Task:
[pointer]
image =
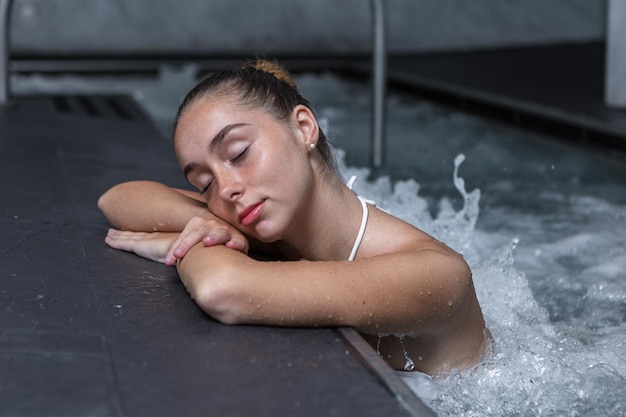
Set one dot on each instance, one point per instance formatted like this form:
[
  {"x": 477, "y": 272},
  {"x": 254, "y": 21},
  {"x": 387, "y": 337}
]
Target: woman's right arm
[{"x": 147, "y": 206}]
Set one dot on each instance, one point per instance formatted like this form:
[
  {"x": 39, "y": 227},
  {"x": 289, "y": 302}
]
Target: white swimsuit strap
[
  {"x": 351, "y": 181},
  {"x": 359, "y": 236}
]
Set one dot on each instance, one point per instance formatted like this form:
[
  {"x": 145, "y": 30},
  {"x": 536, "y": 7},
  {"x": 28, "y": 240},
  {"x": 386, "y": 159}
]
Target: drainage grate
[{"x": 116, "y": 107}]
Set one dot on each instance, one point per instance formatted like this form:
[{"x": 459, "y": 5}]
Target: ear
[{"x": 306, "y": 125}]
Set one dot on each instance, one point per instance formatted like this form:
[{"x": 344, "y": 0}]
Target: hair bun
[{"x": 273, "y": 68}]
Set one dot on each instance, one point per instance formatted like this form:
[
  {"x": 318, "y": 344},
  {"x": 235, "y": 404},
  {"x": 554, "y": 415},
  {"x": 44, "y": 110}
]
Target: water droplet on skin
[{"x": 450, "y": 303}]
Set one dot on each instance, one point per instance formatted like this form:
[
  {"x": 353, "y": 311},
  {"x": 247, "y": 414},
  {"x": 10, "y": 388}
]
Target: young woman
[{"x": 250, "y": 144}]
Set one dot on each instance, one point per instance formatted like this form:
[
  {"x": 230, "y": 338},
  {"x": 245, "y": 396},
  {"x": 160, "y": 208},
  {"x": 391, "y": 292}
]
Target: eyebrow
[{"x": 214, "y": 144}]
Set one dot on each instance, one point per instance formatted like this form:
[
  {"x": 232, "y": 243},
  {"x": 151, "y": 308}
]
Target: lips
[{"x": 248, "y": 215}]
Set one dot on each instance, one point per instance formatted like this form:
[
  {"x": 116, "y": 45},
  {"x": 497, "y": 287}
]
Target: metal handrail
[
  {"x": 5, "y": 91},
  {"x": 379, "y": 83},
  {"x": 379, "y": 72}
]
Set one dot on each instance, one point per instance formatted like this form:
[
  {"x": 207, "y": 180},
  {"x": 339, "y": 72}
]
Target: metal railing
[
  {"x": 5, "y": 53},
  {"x": 379, "y": 83},
  {"x": 379, "y": 73}
]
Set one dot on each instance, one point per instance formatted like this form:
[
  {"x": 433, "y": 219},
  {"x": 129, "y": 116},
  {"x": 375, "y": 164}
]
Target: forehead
[
  {"x": 198, "y": 123},
  {"x": 204, "y": 118},
  {"x": 202, "y": 114}
]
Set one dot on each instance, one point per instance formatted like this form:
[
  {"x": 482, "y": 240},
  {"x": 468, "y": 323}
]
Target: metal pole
[
  {"x": 615, "y": 68},
  {"x": 379, "y": 81},
  {"x": 5, "y": 9}
]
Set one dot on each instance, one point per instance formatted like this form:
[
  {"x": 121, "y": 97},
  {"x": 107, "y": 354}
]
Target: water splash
[
  {"x": 534, "y": 369},
  {"x": 409, "y": 365}
]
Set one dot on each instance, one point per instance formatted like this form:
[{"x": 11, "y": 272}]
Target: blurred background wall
[{"x": 293, "y": 27}]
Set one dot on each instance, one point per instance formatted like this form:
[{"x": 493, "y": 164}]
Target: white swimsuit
[{"x": 359, "y": 236}]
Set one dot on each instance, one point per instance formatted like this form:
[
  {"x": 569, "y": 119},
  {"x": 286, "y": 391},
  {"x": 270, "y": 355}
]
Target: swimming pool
[{"x": 544, "y": 237}]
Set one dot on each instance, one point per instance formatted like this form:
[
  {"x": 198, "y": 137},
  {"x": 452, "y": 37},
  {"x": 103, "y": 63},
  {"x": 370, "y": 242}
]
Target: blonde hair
[{"x": 275, "y": 69}]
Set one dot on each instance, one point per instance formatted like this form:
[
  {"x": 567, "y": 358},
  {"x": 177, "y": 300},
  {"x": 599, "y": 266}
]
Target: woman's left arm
[{"x": 407, "y": 292}]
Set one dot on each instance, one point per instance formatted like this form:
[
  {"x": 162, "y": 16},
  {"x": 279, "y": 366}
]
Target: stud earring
[{"x": 312, "y": 146}]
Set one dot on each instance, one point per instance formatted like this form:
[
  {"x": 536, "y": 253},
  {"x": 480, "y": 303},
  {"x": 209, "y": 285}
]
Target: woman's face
[{"x": 253, "y": 170}]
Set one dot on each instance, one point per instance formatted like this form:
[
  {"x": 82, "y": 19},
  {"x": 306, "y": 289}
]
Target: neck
[{"x": 329, "y": 225}]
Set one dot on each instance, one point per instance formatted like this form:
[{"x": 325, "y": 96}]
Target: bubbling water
[{"x": 534, "y": 368}]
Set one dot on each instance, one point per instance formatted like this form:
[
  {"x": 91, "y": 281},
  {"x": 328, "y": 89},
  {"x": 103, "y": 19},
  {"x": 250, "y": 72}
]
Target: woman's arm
[
  {"x": 147, "y": 206},
  {"x": 410, "y": 292}
]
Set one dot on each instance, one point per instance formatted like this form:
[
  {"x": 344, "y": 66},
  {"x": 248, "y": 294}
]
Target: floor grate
[{"x": 102, "y": 106}]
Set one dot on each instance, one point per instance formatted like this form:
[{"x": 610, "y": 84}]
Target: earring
[{"x": 312, "y": 146}]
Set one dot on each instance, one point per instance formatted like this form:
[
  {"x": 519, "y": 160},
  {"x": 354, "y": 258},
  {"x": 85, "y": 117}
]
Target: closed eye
[
  {"x": 204, "y": 190},
  {"x": 240, "y": 156},
  {"x": 237, "y": 158}
]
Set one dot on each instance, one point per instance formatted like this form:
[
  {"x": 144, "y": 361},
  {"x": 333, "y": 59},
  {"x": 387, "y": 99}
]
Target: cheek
[
  {"x": 222, "y": 211},
  {"x": 285, "y": 172}
]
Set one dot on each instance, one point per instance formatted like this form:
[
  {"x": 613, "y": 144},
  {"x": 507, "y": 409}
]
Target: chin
[
  {"x": 267, "y": 236},
  {"x": 269, "y": 239}
]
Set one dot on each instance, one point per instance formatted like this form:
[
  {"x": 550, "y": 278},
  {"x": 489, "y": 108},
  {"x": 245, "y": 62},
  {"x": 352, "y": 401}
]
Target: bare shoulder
[{"x": 386, "y": 233}]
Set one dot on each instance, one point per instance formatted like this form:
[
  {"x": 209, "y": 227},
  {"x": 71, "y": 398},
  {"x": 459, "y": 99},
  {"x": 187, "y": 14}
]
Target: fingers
[
  {"x": 241, "y": 246},
  {"x": 208, "y": 231},
  {"x": 229, "y": 237},
  {"x": 181, "y": 246},
  {"x": 151, "y": 246},
  {"x": 122, "y": 240}
]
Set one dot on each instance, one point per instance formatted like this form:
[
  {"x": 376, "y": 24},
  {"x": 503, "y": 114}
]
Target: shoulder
[{"x": 386, "y": 234}]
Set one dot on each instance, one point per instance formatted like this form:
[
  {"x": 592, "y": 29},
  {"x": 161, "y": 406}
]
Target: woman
[{"x": 250, "y": 144}]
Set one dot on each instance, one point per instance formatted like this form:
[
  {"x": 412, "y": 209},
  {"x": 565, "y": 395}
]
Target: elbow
[
  {"x": 111, "y": 199},
  {"x": 214, "y": 301},
  {"x": 104, "y": 202},
  {"x": 215, "y": 294},
  {"x": 114, "y": 201}
]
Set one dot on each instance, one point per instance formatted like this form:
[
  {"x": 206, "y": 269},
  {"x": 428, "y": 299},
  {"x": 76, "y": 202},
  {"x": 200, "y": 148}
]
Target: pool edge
[{"x": 388, "y": 377}]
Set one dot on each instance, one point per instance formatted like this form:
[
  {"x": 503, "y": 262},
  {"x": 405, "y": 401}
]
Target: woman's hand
[
  {"x": 211, "y": 231},
  {"x": 153, "y": 246}
]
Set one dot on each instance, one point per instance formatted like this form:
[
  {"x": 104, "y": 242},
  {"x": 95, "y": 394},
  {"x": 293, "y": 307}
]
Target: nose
[{"x": 231, "y": 187}]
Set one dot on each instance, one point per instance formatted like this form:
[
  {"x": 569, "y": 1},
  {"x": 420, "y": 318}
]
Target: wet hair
[{"x": 259, "y": 84}]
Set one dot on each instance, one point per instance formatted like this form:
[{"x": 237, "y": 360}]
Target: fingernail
[{"x": 234, "y": 245}]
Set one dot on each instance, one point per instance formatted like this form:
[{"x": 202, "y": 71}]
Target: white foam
[{"x": 535, "y": 368}]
